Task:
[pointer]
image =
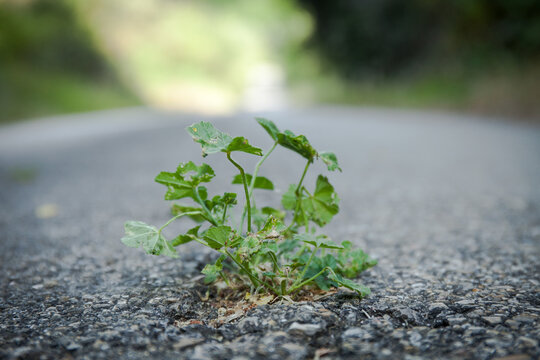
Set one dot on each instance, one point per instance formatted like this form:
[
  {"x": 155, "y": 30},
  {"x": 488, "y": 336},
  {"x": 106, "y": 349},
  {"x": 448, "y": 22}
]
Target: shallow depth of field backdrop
[{"x": 221, "y": 56}]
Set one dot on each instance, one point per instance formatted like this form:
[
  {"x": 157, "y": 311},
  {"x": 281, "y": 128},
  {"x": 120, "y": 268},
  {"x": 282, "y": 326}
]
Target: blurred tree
[
  {"x": 388, "y": 37},
  {"x": 46, "y": 34}
]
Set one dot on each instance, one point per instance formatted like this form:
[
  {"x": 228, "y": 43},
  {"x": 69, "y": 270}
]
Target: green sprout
[{"x": 270, "y": 256}]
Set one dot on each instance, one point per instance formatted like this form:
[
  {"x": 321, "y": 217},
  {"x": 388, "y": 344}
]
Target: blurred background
[{"x": 225, "y": 56}]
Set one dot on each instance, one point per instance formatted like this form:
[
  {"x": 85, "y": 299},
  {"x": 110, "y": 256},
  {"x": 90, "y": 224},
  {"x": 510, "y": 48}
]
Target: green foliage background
[{"x": 60, "y": 56}]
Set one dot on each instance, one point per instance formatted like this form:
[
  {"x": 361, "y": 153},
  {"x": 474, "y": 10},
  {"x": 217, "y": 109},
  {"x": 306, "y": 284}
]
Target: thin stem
[
  {"x": 301, "y": 276},
  {"x": 244, "y": 181},
  {"x": 302, "y": 180},
  {"x": 296, "y": 287},
  {"x": 224, "y": 277},
  {"x": 254, "y": 176},
  {"x": 224, "y": 214},
  {"x": 257, "y": 166},
  {"x": 298, "y": 193},
  {"x": 253, "y": 279},
  {"x": 176, "y": 217},
  {"x": 203, "y": 205}
]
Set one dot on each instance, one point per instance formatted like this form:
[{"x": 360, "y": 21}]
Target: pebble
[{"x": 304, "y": 329}]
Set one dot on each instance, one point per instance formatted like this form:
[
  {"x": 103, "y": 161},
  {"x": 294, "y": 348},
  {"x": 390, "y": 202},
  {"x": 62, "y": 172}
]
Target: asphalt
[{"x": 449, "y": 204}]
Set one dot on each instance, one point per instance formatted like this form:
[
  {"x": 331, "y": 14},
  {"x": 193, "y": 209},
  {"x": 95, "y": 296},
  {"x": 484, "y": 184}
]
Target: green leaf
[
  {"x": 298, "y": 144},
  {"x": 250, "y": 245},
  {"x": 287, "y": 247},
  {"x": 211, "y": 139},
  {"x": 241, "y": 144},
  {"x": 278, "y": 214},
  {"x": 212, "y": 270},
  {"x": 217, "y": 236},
  {"x": 319, "y": 241},
  {"x": 349, "y": 284},
  {"x": 353, "y": 262},
  {"x": 181, "y": 183},
  {"x": 270, "y": 127},
  {"x": 191, "y": 235},
  {"x": 260, "y": 181},
  {"x": 203, "y": 173},
  {"x": 140, "y": 234},
  {"x": 289, "y": 198},
  {"x": 323, "y": 204},
  {"x": 330, "y": 159},
  {"x": 272, "y": 227}
]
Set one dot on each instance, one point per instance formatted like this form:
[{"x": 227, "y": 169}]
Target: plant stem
[
  {"x": 244, "y": 181},
  {"x": 302, "y": 180},
  {"x": 296, "y": 287},
  {"x": 254, "y": 280},
  {"x": 301, "y": 276},
  {"x": 203, "y": 205},
  {"x": 176, "y": 217},
  {"x": 257, "y": 166},
  {"x": 252, "y": 182},
  {"x": 297, "y": 193},
  {"x": 224, "y": 214}
]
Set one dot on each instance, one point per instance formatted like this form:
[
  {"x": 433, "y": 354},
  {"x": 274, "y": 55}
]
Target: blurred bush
[
  {"x": 46, "y": 35},
  {"x": 390, "y": 37},
  {"x": 49, "y": 62}
]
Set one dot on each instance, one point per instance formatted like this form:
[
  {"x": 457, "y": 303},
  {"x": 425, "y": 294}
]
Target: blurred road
[{"x": 428, "y": 194}]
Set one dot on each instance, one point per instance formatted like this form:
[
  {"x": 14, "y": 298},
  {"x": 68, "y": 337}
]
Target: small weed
[{"x": 270, "y": 256}]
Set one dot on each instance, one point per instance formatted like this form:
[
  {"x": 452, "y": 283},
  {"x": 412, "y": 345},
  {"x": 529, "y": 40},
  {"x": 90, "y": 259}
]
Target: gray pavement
[{"x": 448, "y": 204}]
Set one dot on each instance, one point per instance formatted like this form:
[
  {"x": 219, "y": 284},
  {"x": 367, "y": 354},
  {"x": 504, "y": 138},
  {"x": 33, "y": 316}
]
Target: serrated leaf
[
  {"x": 287, "y": 247},
  {"x": 211, "y": 139},
  {"x": 249, "y": 245},
  {"x": 272, "y": 227},
  {"x": 189, "y": 236},
  {"x": 353, "y": 262},
  {"x": 240, "y": 143},
  {"x": 349, "y": 284},
  {"x": 270, "y": 127},
  {"x": 330, "y": 159},
  {"x": 323, "y": 204},
  {"x": 198, "y": 174},
  {"x": 181, "y": 183},
  {"x": 297, "y": 143},
  {"x": 140, "y": 234},
  {"x": 318, "y": 241},
  {"x": 289, "y": 198},
  {"x": 212, "y": 270},
  {"x": 260, "y": 181},
  {"x": 217, "y": 236},
  {"x": 278, "y": 214}
]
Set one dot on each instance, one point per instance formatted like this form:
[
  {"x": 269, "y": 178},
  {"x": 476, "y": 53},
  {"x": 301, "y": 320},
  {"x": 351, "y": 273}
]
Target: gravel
[{"x": 449, "y": 205}]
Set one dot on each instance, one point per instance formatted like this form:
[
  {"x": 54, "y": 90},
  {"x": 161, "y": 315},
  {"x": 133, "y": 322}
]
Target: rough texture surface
[{"x": 449, "y": 205}]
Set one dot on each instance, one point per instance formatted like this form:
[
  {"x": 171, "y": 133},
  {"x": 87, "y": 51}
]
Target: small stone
[
  {"x": 357, "y": 333},
  {"x": 187, "y": 342},
  {"x": 295, "y": 351},
  {"x": 37, "y": 286},
  {"x": 513, "y": 324},
  {"x": 435, "y": 308},
  {"x": 492, "y": 320},
  {"x": 476, "y": 330},
  {"x": 304, "y": 329},
  {"x": 525, "y": 318},
  {"x": 456, "y": 320},
  {"x": 528, "y": 341}
]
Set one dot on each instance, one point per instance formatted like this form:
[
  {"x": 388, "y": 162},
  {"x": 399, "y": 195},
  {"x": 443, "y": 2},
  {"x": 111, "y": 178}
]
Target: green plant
[{"x": 271, "y": 256}]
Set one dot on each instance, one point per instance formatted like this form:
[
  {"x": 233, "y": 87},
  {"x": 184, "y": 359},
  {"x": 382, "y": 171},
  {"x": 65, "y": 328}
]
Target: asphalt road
[{"x": 449, "y": 204}]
